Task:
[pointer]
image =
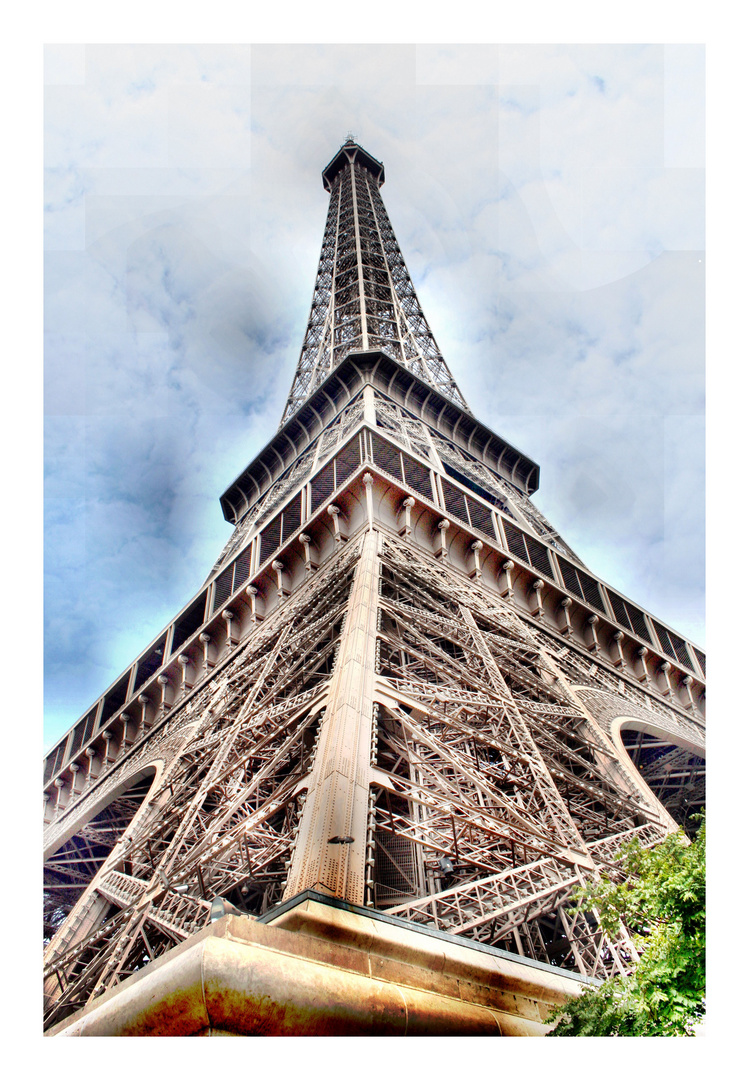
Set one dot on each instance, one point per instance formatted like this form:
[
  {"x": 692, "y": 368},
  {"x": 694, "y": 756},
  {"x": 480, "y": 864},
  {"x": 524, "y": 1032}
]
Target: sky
[{"x": 549, "y": 203}]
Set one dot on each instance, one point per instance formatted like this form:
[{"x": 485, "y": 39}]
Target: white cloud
[{"x": 684, "y": 106}]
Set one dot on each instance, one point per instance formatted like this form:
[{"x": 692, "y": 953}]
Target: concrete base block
[{"x": 317, "y": 967}]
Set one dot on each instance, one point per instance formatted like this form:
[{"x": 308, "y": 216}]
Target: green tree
[{"x": 660, "y": 897}]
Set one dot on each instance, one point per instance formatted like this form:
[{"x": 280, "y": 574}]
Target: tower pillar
[{"x": 332, "y": 839}]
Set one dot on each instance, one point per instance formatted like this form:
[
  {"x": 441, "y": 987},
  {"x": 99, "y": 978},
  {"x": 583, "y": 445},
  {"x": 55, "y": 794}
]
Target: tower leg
[{"x": 331, "y": 846}]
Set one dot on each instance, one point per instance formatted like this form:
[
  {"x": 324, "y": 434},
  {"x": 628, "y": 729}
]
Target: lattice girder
[
  {"x": 364, "y": 297},
  {"x": 225, "y": 811}
]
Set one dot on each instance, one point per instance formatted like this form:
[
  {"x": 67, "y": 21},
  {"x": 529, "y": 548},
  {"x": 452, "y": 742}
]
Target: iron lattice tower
[{"x": 398, "y": 690}]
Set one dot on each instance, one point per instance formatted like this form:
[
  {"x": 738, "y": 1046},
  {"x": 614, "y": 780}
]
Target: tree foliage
[{"x": 660, "y": 897}]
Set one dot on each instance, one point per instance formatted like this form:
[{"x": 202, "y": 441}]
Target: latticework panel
[
  {"x": 509, "y": 792},
  {"x": 364, "y": 297},
  {"x": 222, "y": 818}
]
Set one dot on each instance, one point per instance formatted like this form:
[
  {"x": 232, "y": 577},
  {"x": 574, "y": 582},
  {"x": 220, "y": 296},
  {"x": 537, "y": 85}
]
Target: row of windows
[
  {"x": 368, "y": 445},
  {"x": 275, "y": 534},
  {"x": 476, "y": 515},
  {"x": 527, "y": 548},
  {"x": 581, "y": 584}
]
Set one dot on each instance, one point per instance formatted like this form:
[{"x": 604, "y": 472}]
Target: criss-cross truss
[
  {"x": 491, "y": 765},
  {"x": 364, "y": 297},
  {"x": 221, "y": 818}
]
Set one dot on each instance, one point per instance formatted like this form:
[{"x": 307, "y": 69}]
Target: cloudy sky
[{"x": 549, "y": 204}]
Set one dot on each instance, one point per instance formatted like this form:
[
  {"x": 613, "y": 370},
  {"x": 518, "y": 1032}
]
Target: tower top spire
[
  {"x": 352, "y": 152},
  {"x": 364, "y": 299}
]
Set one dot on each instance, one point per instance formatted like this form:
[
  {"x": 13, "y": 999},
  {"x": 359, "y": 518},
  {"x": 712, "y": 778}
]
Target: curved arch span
[
  {"x": 73, "y": 864},
  {"x": 671, "y": 766}
]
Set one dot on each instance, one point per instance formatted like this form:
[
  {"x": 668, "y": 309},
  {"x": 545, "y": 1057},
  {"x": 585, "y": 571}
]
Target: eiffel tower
[{"x": 353, "y": 785}]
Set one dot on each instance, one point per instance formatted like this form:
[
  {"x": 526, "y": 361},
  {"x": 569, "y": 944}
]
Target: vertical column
[
  {"x": 441, "y": 552},
  {"x": 564, "y": 607},
  {"x": 309, "y": 566},
  {"x": 368, "y": 482},
  {"x": 331, "y": 846},
  {"x": 537, "y": 605},
  {"x": 619, "y": 660},
  {"x": 665, "y": 670},
  {"x": 688, "y": 682},
  {"x": 370, "y": 407},
  {"x": 128, "y": 731},
  {"x": 187, "y": 680},
  {"x": 74, "y": 768},
  {"x": 593, "y": 645},
  {"x": 643, "y": 675},
  {"x": 144, "y": 702},
  {"x": 475, "y": 571},
  {"x": 108, "y": 736},
  {"x": 359, "y": 268},
  {"x": 407, "y": 505},
  {"x": 205, "y": 640},
  {"x": 505, "y": 579},
  {"x": 163, "y": 681},
  {"x": 334, "y": 513},
  {"x": 228, "y": 617},
  {"x": 251, "y": 593},
  {"x": 90, "y": 773}
]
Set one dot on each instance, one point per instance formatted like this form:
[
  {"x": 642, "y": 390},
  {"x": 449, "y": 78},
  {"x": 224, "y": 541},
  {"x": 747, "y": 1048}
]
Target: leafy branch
[{"x": 659, "y": 895}]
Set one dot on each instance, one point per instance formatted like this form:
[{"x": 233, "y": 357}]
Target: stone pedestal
[{"x": 321, "y": 967}]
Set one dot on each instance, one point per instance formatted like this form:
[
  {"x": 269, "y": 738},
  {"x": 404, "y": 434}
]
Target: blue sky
[{"x": 549, "y": 203}]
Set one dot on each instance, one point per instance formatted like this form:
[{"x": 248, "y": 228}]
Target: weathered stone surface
[{"x": 245, "y": 977}]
